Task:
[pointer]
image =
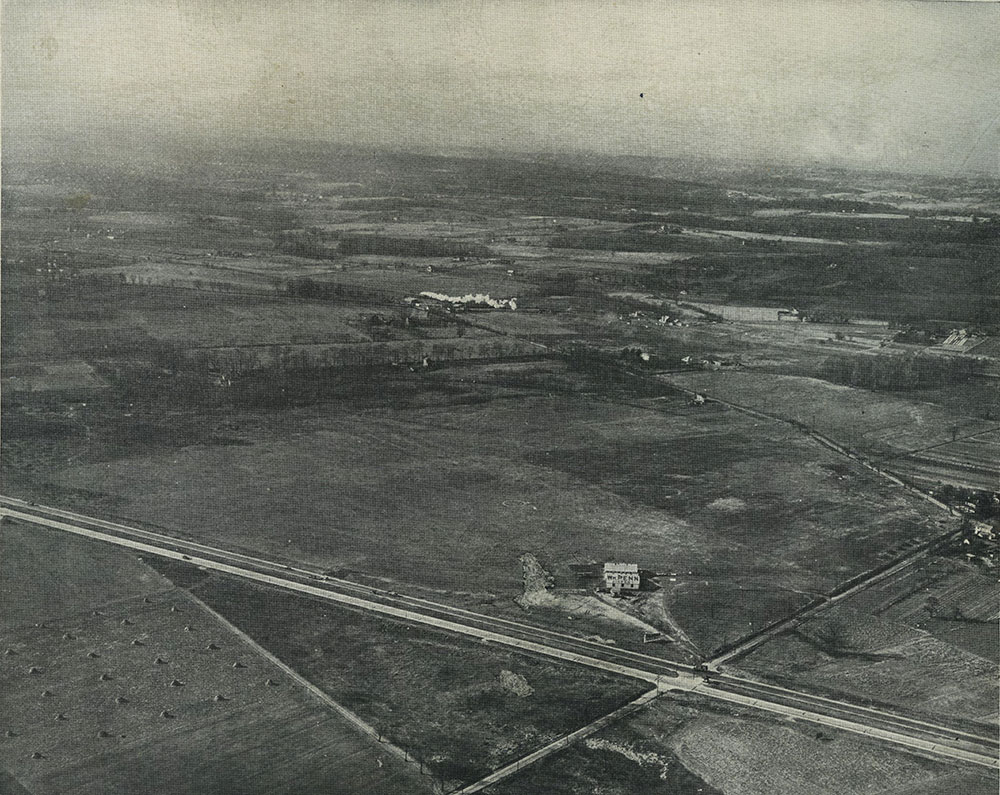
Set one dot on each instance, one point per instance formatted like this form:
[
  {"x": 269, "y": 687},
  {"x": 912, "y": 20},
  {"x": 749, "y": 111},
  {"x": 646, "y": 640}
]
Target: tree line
[
  {"x": 411, "y": 247},
  {"x": 893, "y": 373}
]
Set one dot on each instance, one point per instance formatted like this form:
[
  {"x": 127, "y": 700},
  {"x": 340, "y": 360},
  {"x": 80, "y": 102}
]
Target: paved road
[{"x": 910, "y": 732}]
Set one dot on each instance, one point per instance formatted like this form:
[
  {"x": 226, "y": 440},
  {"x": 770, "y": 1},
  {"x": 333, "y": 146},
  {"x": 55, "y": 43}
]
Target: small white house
[{"x": 620, "y": 577}]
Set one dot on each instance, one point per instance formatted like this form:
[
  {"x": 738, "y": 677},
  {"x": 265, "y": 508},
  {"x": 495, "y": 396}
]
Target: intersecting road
[{"x": 910, "y": 732}]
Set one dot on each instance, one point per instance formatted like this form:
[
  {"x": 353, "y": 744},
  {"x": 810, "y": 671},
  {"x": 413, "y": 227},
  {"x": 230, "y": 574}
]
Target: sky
[{"x": 894, "y": 85}]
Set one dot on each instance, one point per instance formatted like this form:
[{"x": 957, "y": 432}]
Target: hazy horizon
[{"x": 878, "y": 86}]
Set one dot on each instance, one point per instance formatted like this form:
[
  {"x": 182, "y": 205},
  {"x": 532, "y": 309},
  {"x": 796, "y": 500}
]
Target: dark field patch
[
  {"x": 437, "y": 695},
  {"x": 636, "y": 468},
  {"x": 447, "y": 498},
  {"x": 718, "y": 613}
]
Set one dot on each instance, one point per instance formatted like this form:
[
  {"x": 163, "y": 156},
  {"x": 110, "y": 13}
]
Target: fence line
[{"x": 561, "y": 743}]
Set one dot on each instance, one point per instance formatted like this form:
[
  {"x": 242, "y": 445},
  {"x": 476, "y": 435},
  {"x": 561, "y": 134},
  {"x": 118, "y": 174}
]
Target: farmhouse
[{"x": 620, "y": 577}]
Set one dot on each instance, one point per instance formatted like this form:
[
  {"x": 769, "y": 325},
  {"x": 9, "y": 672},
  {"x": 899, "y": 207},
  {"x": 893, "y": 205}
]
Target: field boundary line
[
  {"x": 915, "y": 743},
  {"x": 849, "y": 587},
  {"x": 939, "y": 444},
  {"x": 821, "y": 439},
  {"x": 314, "y": 690},
  {"x": 867, "y": 579},
  {"x": 563, "y": 742}
]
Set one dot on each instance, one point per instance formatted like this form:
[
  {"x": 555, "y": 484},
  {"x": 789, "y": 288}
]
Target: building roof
[{"x": 629, "y": 568}]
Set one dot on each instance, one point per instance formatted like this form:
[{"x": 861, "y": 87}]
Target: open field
[
  {"x": 49, "y": 576},
  {"x": 72, "y": 377},
  {"x": 191, "y": 319},
  {"x": 223, "y": 356},
  {"x": 248, "y": 322},
  {"x": 447, "y": 499},
  {"x": 682, "y": 745},
  {"x": 925, "y": 639},
  {"x": 973, "y": 399},
  {"x": 117, "y": 689},
  {"x": 880, "y": 425},
  {"x": 973, "y": 463},
  {"x": 206, "y": 334},
  {"x": 544, "y": 328},
  {"x": 463, "y": 708}
]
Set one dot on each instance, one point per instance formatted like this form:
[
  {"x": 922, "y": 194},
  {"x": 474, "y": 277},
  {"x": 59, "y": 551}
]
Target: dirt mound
[
  {"x": 537, "y": 584},
  {"x": 515, "y": 683},
  {"x": 727, "y": 504}
]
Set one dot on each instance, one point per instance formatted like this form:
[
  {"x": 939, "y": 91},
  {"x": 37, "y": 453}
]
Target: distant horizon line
[{"x": 140, "y": 143}]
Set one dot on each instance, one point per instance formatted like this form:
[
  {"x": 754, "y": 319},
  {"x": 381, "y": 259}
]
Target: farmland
[
  {"x": 461, "y": 707},
  {"x": 925, "y": 639},
  {"x": 682, "y": 745},
  {"x": 116, "y": 690},
  {"x": 326, "y": 448},
  {"x": 971, "y": 462},
  {"x": 245, "y": 359},
  {"x": 569, "y": 478},
  {"x": 929, "y": 442}
]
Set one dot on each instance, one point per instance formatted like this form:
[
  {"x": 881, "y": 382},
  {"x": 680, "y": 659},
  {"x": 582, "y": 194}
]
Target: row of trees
[
  {"x": 251, "y": 378},
  {"x": 306, "y": 287},
  {"x": 987, "y": 504},
  {"x": 890, "y": 373},
  {"x": 620, "y": 371},
  {"x": 238, "y": 361},
  {"x": 411, "y": 247}
]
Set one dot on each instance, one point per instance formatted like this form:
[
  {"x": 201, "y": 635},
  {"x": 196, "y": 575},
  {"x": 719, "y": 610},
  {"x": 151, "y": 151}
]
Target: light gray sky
[{"x": 869, "y": 84}]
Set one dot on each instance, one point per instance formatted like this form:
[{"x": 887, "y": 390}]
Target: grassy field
[
  {"x": 54, "y": 345},
  {"x": 970, "y": 463},
  {"x": 249, "y": 322},
  {"x": 533, "y": 326},
  {"x": 879, "y": 423},
  {"x": 115, "y": 681},
  {"x": 686, "y": 746},
  {"x": 438, "y": 481},
  {"x": 48, "y": 575},
  {"x": 461, "y": 707},
  {"x": 925, "y": 639},
  {"x": 66, "y": 377},
  {"x": 187, "y": 318},
  {"x": 911, "y": 435},
  {"x": 445, "y": 499}
]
